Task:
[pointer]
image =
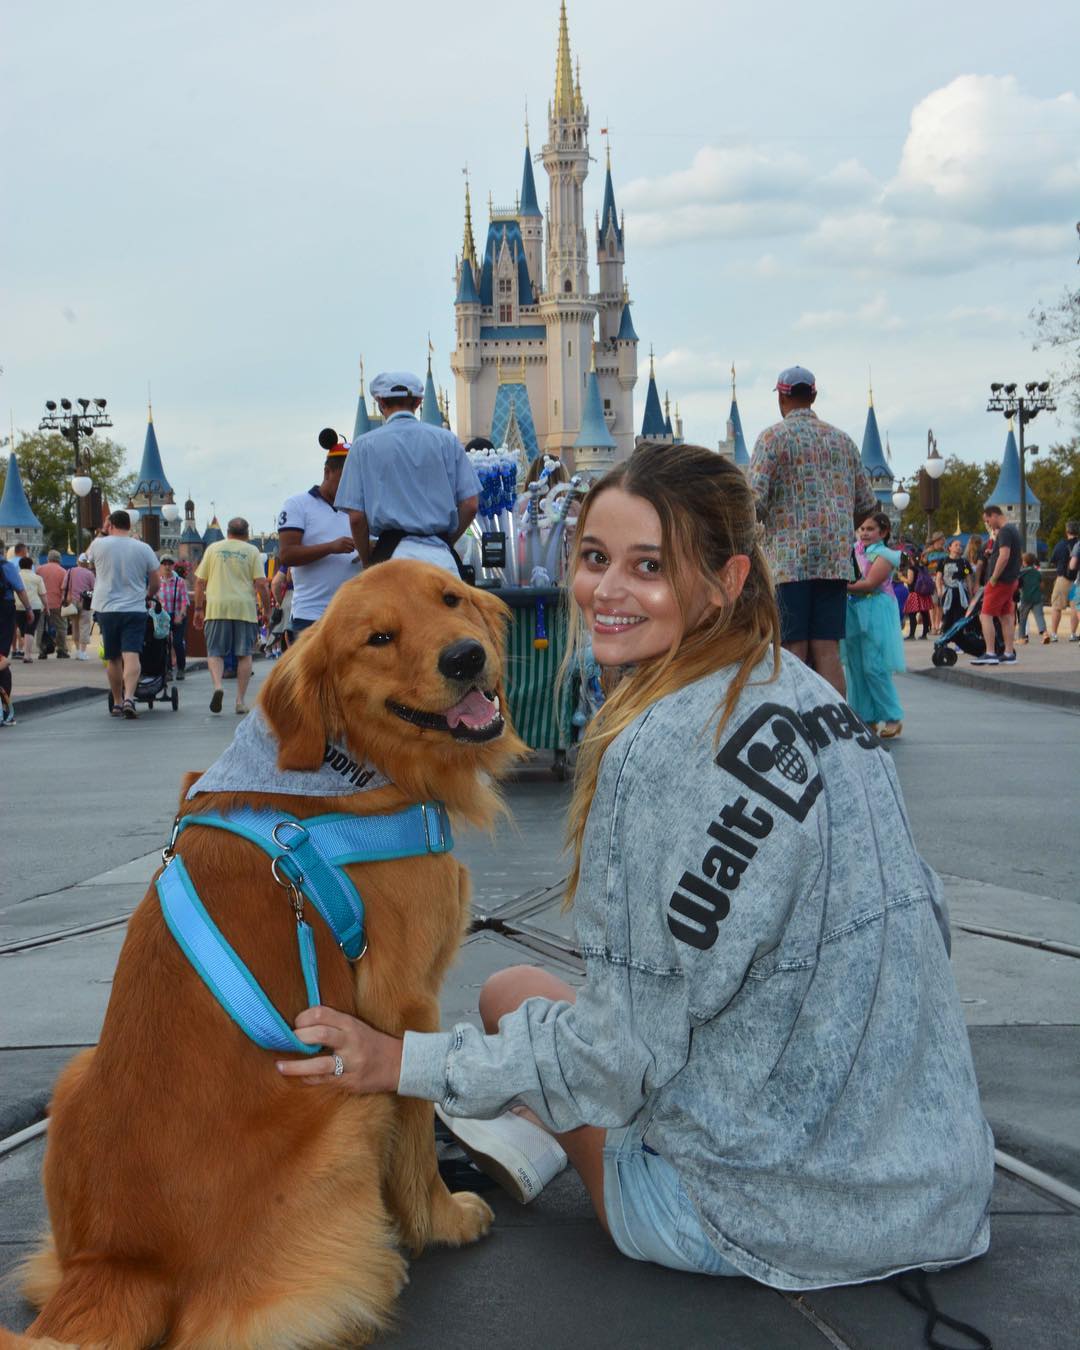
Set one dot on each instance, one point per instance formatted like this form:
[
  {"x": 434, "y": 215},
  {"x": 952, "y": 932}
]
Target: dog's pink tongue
[{"x": 475, "y": 710}]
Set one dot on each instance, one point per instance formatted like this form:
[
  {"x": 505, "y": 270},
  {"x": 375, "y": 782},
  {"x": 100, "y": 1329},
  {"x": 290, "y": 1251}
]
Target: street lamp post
[
  {"x": 71, "y": 425},
  {"x": 929, "y": 486},
  {"x": 1024, "y": 407}
]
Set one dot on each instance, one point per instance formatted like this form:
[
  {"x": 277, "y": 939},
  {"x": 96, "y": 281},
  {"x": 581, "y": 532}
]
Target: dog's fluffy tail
[{"x": 98, "y": 1304}]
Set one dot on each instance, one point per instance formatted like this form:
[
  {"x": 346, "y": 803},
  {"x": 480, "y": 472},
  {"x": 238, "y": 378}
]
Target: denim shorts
[
  {"x": 121, "y": 632},
  {"x": 812, "y": 610},
  {"x": 230, "y": 637},
  {"x": 649, "y": 1212}
]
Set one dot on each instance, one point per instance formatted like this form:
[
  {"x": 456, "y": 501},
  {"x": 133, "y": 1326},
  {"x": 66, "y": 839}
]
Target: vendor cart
[{"x": 537, "y": 643}]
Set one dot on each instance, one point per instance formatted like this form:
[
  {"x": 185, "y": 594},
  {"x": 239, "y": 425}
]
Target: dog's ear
[
  {"x": 192, "y": 776},
  {"x": 495, "y": 614},
  {"x": 293, "y": 701}
]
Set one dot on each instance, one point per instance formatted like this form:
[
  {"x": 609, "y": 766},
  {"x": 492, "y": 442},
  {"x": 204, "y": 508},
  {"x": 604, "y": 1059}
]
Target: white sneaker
[{"x": 511, "y": 1150}]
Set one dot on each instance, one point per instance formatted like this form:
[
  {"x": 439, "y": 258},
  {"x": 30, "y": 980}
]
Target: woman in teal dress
[{"x": 873, "y": 648}]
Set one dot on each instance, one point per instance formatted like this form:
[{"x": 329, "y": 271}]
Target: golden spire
[
  {"x": 564, "y": 72},
  {"x": 870, "y": 377},
  {"x": 468, "y": 247},
  {"x": 733, "y": 381},
  {"x": 667, "y": 403},
  {"x": 579, "y": 102},
  {"x": 526, "y": 124},
  {"x": 652, "y": 368},
  {"x": 361, "y": 377},
  {"x": 149, "y": 404}
]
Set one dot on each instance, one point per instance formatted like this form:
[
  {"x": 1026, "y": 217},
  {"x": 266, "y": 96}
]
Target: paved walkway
[
  {"x": 547, "y": 1277},
  {"x": 1042, "y": 674}
]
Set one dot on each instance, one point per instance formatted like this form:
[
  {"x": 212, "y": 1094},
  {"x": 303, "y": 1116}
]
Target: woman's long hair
[{"x": 707, "y": 517}]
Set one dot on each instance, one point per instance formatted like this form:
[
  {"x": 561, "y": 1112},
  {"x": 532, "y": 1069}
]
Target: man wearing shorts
[
  {"x": 125, "y": 576},
  {"x": 11, "y": 585},
  {"x": 999, "y": 595},
  {"x": 812, "y": 491},
  {"x": 227, "y": 582},
  {"x": 1060, "y": 603}
]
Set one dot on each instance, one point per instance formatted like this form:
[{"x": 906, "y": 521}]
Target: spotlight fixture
[
  {"x": 1010, "y": 388},
  {"x": 1044, "y": 387},
  {"x": 996, "y": 388},
  {"x": 83, "y": 403},
  {"x": 50, "y": 404},
  {"x": 65, "y": 403},
  {"x": 99, "y": 403}
]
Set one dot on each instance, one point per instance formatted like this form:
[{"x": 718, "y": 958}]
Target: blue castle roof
[
  {"x": 514, "y": 398},
  {"x": 430, "y": 411},
  {"x": 741, "y": 456},
  {"x": 626, "y": 326},
  {"x": 528, "y": 205},
  {"x": 512, "y": 231},
  {"x": 652, "y": 424},
  {"x": 669, "y": 430},
  {"x": 151, "y": 479},
  {"x": 363, "y": 421},
  {"x": 213, "y": 532},
  {"x": 594, "y": 432},
  {"x": 1007, "y": 490},
  {"x": 466, "y": 291},
  {"x": 608, "y": 214},
  {"x": 873, "y": 457},
  {"x": 190, "y": 535},
  {"x": 15, "y": 511}
]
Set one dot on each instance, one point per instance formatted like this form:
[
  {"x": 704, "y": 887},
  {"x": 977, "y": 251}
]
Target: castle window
[
  {"x": 607, "y": 405},
  {"x": 569, "y": 349},
  {"x": 506, "y": 313},
  {"x": 504, "y": 285},
  {"x": 567, "y": 285},
  {"x": 556, "y": 407}
]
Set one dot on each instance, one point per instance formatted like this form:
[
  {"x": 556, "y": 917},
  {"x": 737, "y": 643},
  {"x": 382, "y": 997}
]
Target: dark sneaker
[
  {"x": 1008, "y": 659},
  {"x": 987, "y": 661},
  {"x": 216, "y": 700}
]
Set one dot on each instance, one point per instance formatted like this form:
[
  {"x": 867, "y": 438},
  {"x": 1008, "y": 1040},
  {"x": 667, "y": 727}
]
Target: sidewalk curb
[
  {"x": 59, "y": 698},
  {"x": 1031, "y": 693}
]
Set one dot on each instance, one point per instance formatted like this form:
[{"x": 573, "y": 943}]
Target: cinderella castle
[{"x": 542, "y": 361}]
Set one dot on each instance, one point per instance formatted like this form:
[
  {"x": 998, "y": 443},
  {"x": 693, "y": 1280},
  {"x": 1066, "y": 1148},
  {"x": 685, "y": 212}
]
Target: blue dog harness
[{"x": 308, "y": 859}]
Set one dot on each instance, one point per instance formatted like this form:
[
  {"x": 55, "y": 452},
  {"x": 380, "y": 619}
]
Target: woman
[
  {"x": 933, "y": 556},
  {"x": 27, "y": 623},
  {"x": 917, "y": 606},
  {"x": 726, "y": 1081},
  {"x": 872, "y": 649},
  {"x": 79, "y": 592},
  {"x": 975, "y": 558}
]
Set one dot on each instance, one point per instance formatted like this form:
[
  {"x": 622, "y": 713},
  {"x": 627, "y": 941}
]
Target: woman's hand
[{"x": 371, "y": 1060}]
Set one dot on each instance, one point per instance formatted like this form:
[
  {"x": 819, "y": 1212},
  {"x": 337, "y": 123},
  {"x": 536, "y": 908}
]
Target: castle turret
[
  {"x": 610, "y": 256},
  {"x": 595, "y": 448},
  {"x": 430, "y": 411},
  {"x": 653, "y": 426},
  {"x": 190, "y": 548},
  {"x": 1006, "y": 493},
  {"x": 531, "y": 221},
  {"x": 152, "y": 492},
  {"x": 567, "y": 307},
  {"x": 734, "y": 442},
  {"x": 873, "y": 458},
  {"x": 362, "y": 423},
  {"x": 465, "y": 359},
  {"x": 18, "y": 523}
]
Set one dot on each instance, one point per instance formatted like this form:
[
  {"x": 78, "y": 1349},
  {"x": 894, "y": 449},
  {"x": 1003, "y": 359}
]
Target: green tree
[
  {"x": 965, "y": 488},
  {"x": 45, "y": 466},
  {"x": 1058, "y": 326},
  {"x": 1055, "y": 480}
]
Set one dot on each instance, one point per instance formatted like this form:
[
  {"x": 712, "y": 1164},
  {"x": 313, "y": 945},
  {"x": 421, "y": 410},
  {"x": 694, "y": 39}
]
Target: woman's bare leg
[{"x": 502, "y": 993}]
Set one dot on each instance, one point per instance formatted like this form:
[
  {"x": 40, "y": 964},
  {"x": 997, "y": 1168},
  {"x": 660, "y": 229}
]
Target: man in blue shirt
[
  {"x": 407, "y": 485},
  {"x": 314, "y": 540},
  {"x": 11, "y": 585}
]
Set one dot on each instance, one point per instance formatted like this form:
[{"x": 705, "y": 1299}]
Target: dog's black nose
[{"x": 462, "y": 660}]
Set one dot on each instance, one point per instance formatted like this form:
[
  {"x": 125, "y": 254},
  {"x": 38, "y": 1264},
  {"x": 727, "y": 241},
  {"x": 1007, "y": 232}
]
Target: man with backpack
[{"x": 126, "y": 575}]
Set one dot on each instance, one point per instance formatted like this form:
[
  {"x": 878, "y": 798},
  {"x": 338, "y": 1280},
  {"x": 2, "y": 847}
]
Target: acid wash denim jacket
[{"x": 768, "y": 992}]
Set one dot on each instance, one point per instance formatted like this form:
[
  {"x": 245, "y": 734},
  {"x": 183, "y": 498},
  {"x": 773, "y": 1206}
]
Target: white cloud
[
  {"x": 981, "y": 150},
  {"x": 985, "y": 171},
  {"x": 873, "y": 314}
]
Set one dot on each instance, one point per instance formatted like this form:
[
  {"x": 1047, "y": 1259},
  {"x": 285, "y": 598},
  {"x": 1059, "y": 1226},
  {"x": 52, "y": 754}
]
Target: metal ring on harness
[
  {"x": 169, "y": 851},
  {"x": 287, "y": 882},
  {"x": 292, "y": 824}
]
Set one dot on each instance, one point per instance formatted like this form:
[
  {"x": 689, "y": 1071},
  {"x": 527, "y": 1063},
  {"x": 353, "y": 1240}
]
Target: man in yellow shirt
[{"x": 228, "y": 584}]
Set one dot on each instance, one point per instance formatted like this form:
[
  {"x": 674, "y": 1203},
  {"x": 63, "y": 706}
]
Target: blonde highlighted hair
[{"x": 707, "y": 517}]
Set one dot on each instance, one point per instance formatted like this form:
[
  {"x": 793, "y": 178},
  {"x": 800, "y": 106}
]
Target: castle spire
[
  {"x": 741, "y": 456},
  {"x": 564, "y": 71},
  {"x": 468, "y": 246}
]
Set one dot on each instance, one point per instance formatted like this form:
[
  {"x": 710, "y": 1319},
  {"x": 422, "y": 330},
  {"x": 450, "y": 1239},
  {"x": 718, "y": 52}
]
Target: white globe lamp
[
  {"x": 170, "y": 512},
  {"x": 901, "y": 499},
  {"x": 81, "y": 485}
]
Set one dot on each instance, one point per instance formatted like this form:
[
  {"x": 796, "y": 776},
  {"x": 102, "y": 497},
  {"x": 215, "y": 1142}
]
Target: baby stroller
[
  {"x": 155, "y": 662},
  {"x": 965, "y": 635}
]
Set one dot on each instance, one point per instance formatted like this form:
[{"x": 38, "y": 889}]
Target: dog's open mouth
[{"x": 476, "y": 718}]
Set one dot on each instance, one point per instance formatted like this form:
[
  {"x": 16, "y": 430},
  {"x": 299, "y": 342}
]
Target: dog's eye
[
  {"x": 450, "y": 599},
  {"x": 380, "y": 639}
]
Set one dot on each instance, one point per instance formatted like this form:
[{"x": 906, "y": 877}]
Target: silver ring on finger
[{"x": 339, "y": 1066}]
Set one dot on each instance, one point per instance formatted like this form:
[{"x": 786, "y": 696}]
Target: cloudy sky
[{"x": 235, "y": 200}]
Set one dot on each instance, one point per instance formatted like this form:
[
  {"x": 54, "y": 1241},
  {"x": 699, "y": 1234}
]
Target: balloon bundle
[{"x": 497, "y": 471}]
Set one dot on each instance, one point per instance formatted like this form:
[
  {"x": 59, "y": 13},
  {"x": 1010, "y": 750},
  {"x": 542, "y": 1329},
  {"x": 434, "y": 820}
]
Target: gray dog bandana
[{"x": 250, "y": 764}]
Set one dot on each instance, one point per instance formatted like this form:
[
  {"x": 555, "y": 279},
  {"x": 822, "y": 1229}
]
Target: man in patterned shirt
[{"x": 812, "y": 491}]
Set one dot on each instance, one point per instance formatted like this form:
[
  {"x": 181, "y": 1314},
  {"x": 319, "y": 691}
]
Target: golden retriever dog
[{"x": 196, "y": 1197}]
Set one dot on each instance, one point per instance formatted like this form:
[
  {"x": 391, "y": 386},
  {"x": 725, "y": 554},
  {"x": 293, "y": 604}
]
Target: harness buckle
[
  {"x": 168, "y": 853},
  {"x": 438, "y": 844}
]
